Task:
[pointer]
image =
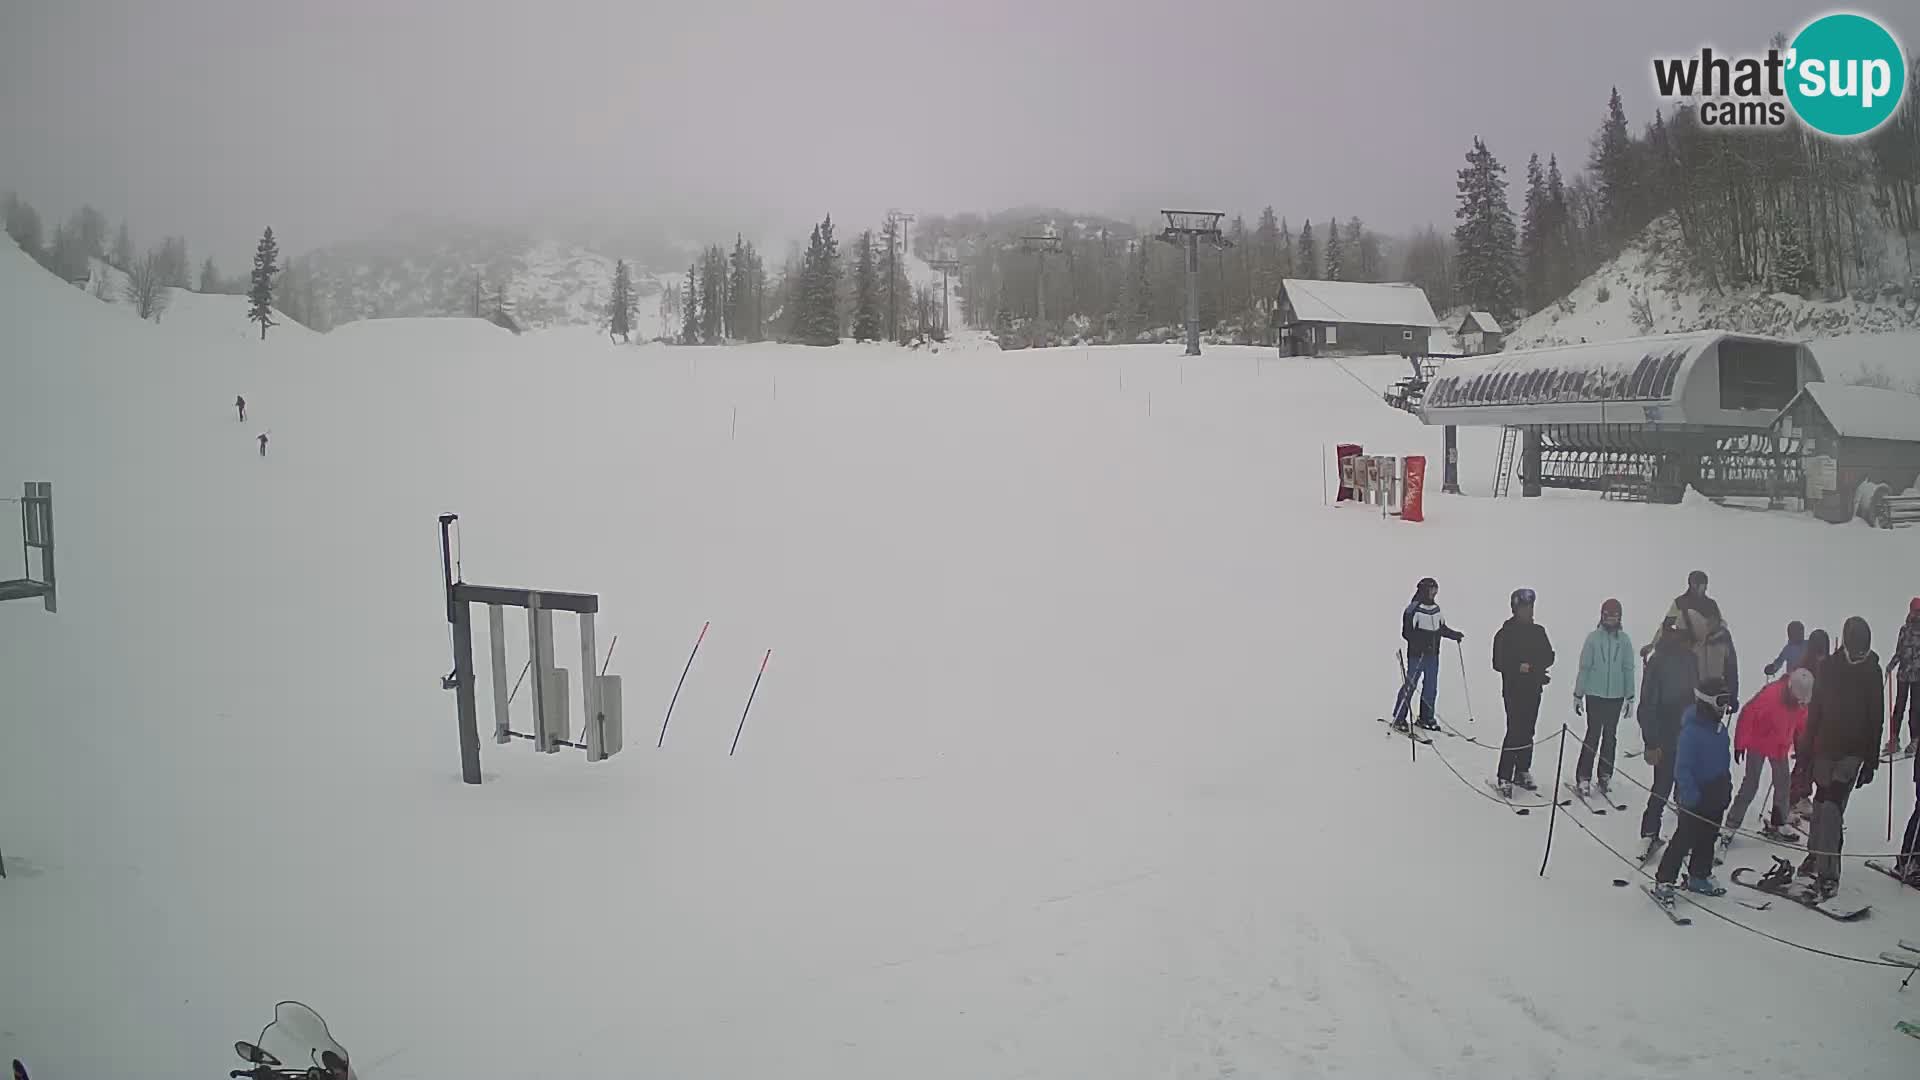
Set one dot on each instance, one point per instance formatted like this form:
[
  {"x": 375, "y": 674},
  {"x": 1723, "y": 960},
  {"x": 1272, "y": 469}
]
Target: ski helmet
[
  {"x": 1713, "y": 691},
  {"x": 1698, "y": 577},
  {"x": 1520, "y": 598},
  {"x": 1425, "y": 584},
  {"x": 1800, "y": 685},
  {"x": 1610, "y": 609},
  {"x": 1913, "y": 608}
]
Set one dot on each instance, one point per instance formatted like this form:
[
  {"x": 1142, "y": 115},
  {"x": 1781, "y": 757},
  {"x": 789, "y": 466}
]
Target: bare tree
[{"x": 146, "y": 287}]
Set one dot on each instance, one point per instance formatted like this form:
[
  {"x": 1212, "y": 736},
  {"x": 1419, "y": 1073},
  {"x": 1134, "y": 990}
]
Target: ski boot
[
  {"x": 1427, "y": 723},
  {"x": 1400, "y": 725},
  {"x": 1806, "y": 865},
  {"x": 1663, "y": 892},
  {"x": 1826, "y": 888},
  {"x": 1505, "y": 788},
  {"x": 1780, "y": 834},
  {"x": 1583, "y": 788},
  {"x": 1524, "y": 779},
  {"x": 1605, "y": 788},
  {"x": 1913, "y": 745},
  {"x": 1706, "y": 886}
]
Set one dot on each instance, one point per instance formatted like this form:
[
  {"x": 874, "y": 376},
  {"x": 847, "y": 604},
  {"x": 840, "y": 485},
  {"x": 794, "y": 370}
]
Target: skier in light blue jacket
[{"x": 1603, "y": 693}]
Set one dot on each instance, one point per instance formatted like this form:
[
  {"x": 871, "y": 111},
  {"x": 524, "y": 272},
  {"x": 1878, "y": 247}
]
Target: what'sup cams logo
[{"x": 1843, "y": 75}]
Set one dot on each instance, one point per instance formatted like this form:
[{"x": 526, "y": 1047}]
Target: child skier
[
  {"x": 1791, "y": 652},
  {"x": 1521, "y": 654},
  {"x": 1769, "y": 725},
  {"x": 1906, "y": 694},
  {"x": 1422, "y": 626},
  {"x": 1602, "y": 692},
  {"x": 1702, "y": 784},
  {"x": 1666, "y": 692}
]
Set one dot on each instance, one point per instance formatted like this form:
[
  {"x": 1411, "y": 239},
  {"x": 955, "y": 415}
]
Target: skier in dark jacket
[
  {"x": 1800, "y": 782},
  {"x": 1843, "y": 727},
  {"x": 1666, "y": 692},
  {"x": 1521, "y": 654},
  {"x": 1693, "y": 610},
  {"x": 1703, "y": 785},
  {"x": 1909, "y": 862},
  {"x": 241, "y": 404},
  {"x": 1906, "y": 694},
  {"x": 1423, "y": 627}
]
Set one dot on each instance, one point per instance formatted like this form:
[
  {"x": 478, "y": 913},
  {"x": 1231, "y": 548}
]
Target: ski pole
[
  {"x": 1554, "y": 800},
  {"x": 750, "y": 696},
  {"x": 681, "y": 683},
  {"x": 1464, "y": 688}
]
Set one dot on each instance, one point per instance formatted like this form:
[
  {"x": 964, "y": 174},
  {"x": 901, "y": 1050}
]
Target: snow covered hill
[
  {"x": 1064, "y": 763},
  {"x": 430, "y": 270},
  {"x": 1645, "y": 290}
]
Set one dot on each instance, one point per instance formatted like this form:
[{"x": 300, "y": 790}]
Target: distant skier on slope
[
  {"x": 1666, "y": 692},
  {"x": 1702, "y": 784},
  {"x": 240, "y": 403},
  {"x": 1602, "y": 692},
  {"x": 1906, "y": 695},
  {"x": 1767, "y": 729},
  {"x": 1843, "y": 726},
  {"x": 1521, "y": 654},
  {"x": 1800, "y": 783},
  {"x": 263, "y": 444},
  {"x": 1791, "y": 652},
  {"x": 1422, "y": 626}
]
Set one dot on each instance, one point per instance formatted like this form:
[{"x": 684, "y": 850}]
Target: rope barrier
[
  {"x": 1763, "y": 837},
  {"x": 1641, "y": 870}
]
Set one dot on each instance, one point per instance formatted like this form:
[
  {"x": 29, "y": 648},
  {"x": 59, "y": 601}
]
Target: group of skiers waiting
[{"x": 1820, "y": 709}]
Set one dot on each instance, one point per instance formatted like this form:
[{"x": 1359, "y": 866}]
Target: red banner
[
  {"x": 1340, "y": 455},
  {"x": 1410, "y": 504}
]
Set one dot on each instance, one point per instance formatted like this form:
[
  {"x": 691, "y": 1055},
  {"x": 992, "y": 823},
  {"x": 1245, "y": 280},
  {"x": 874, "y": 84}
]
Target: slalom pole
[
  {"x": 681, "y": 683},
  {"x": 1464, "y": 688},
  {"x": 750, "y": 696},
  {"x": 1553, "y": 799}
]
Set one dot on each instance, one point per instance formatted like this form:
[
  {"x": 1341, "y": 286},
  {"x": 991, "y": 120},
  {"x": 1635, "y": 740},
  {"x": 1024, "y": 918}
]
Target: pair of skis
[
  {"x": 1587, "y": 800},
  {"x": 1910, "y": 882}
]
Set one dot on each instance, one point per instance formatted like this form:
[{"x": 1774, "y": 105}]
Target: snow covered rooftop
[
  {"x": 1365, "y": 302},
  {"x": 1865, "y": 412},
  {"x": 1480, "y": 320},
  {"x": 1636, "y": 369}
]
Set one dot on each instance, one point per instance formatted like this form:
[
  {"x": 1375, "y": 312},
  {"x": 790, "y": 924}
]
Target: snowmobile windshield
[{"x": 299, "y": 1038}]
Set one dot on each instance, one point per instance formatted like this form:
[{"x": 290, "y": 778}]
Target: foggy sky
[{"x": 212, "y": 118}]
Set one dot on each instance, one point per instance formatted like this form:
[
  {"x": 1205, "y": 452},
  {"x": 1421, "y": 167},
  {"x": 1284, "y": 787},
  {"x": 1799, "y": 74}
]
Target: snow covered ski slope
[{"x": 1064, "y": 764}]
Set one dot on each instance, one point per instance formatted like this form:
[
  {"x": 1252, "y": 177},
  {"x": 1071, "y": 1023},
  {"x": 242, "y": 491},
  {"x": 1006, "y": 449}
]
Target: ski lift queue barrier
[{"x": 1396, "y": 485}]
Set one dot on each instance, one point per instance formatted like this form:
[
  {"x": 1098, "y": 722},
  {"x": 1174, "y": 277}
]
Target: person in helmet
[
  {"x": 1843, "y": 727},
  {"x": 1521, "y": 654},
  {"x": 1699, "y": 615},
  {"x": 1423, "y": 627},
  {"x": 1906, "y": 694},
  {"x": 1702, "y": 786},
  {"x": 1602, "y": 692}
]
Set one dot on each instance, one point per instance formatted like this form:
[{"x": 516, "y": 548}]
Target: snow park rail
[{"x": 1553, "y": 811}]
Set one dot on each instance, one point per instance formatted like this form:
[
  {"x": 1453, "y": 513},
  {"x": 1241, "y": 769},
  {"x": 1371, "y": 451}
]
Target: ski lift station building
[{"x": 1645, "y": 417}]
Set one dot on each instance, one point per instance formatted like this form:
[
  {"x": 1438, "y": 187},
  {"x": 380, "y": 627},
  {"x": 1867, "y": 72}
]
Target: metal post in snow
[
  {"x": 681, "y": 683},
  {"x": 750, "y": 696},
  {"x": 1553, "y": 800}
]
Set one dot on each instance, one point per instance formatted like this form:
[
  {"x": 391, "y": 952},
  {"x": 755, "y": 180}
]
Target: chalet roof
[
  {"x": 1865, "y": 412},
  {"x": 1360, "y": 302},
  {"x": 1480, "y": 320}
]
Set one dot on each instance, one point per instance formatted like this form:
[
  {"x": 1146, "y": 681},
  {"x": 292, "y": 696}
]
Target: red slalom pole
[
  {"x": 678, "y": 685},
  {"x": 750, "y": 696}
]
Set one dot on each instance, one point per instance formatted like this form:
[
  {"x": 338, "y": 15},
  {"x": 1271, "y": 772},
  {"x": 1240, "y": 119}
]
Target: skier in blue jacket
[
  {"x": 1702, "y": 788},
  {"x": 1422, "y": 626}
]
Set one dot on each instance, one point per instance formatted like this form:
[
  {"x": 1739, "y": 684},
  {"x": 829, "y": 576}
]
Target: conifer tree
[
  {"x": 690, "y": 307},
  {"x": 1484, "y": 266},
  {"x": 866, "y": 310},
  {"x": 1306, "y": 263},
  {"x": 620, "y": 307},
  {"x": 266, "y": 263},
  {"x": 1336, "y": 252},
  {"x": 1792, "y": 273},
  {"x": 1534, "y": 230},
  {"x": 1616, "y": 174}
]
